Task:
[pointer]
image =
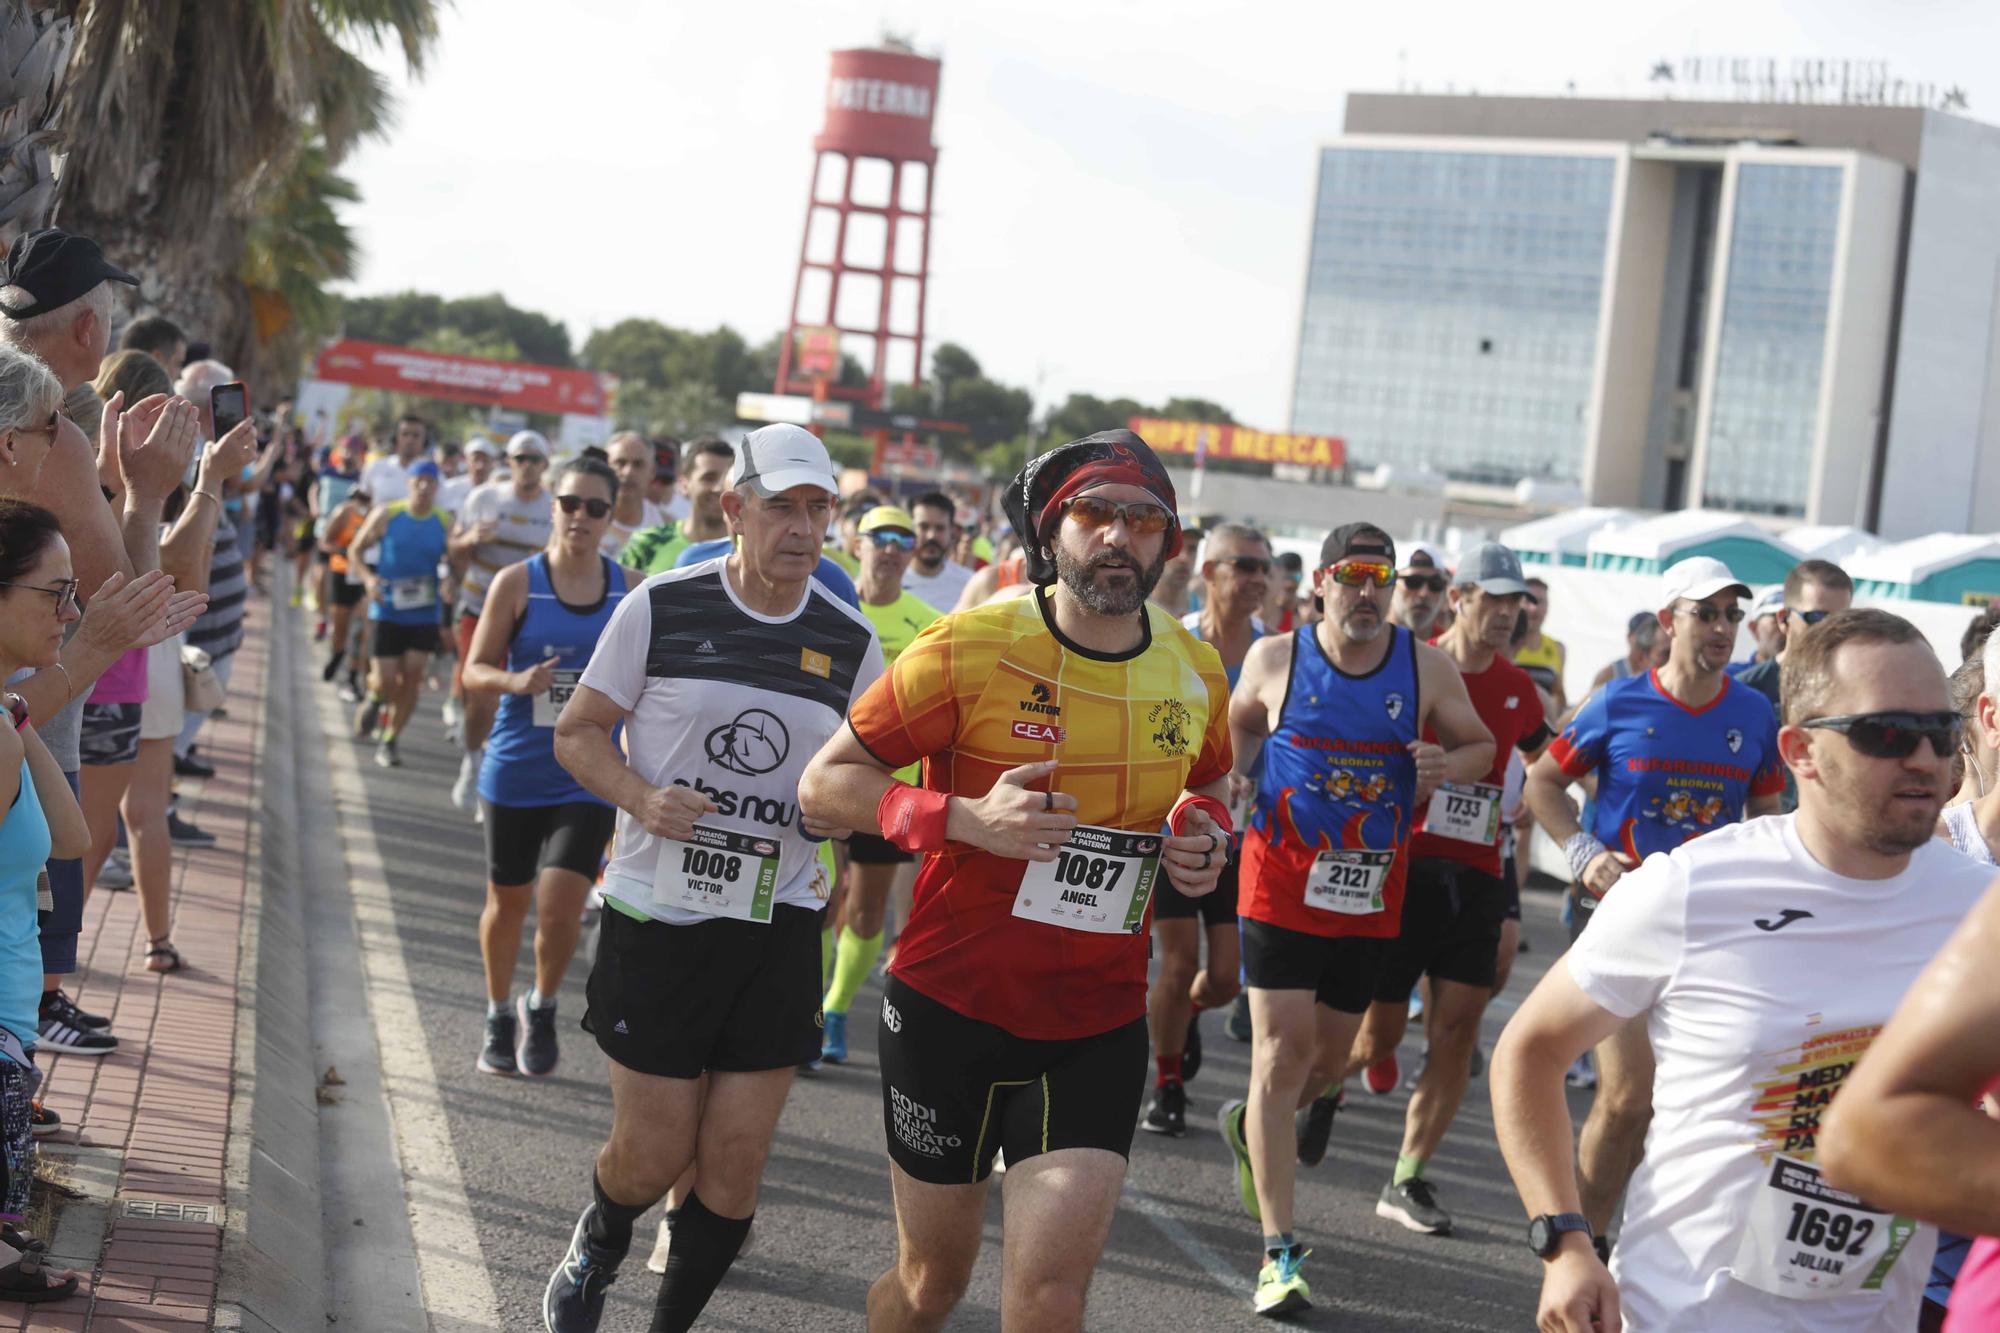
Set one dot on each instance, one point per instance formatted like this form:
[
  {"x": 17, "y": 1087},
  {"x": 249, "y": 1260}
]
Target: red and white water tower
[{"x": 864, "y": 260}]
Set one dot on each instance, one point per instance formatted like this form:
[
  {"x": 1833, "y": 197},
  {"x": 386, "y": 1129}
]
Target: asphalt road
[{"x": 1181, "y": 1256}]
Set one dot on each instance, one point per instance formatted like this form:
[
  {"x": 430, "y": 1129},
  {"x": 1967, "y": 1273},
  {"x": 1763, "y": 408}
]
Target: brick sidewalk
[{"x": 159, "y": 1108}]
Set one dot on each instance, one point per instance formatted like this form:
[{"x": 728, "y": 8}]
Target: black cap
[
  {"x": 1351, "y": 539},
  {"x": 55, "y": 268},
  {"x": 1032, "y": 497}
]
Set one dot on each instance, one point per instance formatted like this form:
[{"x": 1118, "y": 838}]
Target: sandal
[
  {"x": 164, "y": 948},
  {"x": 25, "y": 1280},
  {"x": 12, "y": 1234}
]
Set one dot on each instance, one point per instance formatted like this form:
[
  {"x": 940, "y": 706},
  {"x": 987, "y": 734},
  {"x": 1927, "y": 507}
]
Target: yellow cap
[{"x": 888, "y": 516}]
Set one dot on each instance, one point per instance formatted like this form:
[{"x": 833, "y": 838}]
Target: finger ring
[
  {"x": 1048, "y": 801},
  {"x": 1206, "y": 858},
  {"x": 1214, "y": 841}
]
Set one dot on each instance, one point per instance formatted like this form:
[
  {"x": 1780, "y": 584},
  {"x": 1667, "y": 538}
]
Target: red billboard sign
[
  {"x": 1196, "y": 438},
  {"x": 880, "y": 104},
  {"x": 464, "y": 379}
]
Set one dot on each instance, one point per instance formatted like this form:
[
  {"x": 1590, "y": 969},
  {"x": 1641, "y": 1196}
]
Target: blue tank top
[
  {"x": 24, "y": 846},
  {"x": 1336, "y": 774},
  {"x": 407, "y": 564},
  {"x": 520, "y": 767}
]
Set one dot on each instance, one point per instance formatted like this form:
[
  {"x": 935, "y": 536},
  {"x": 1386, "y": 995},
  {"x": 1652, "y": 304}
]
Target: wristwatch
[{"x": 1546, "y": 1232}]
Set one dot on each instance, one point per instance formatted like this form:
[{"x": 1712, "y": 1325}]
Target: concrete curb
[{"x": 274, "y": 1271}]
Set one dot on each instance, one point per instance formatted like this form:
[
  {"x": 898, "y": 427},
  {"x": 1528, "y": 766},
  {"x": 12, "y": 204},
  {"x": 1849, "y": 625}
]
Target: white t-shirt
[
  {"x": 1764, "y": 976},
  {"x": 734, "y": 703},
  {"x": 524, "y": 527},
  {"x": 451, "y": 495},
  {"x": 678, "y": 508},
  {"x": 386, "y": 480},
  {"x": 617, "y": 534},
  {"x": 940, "y": 590}
]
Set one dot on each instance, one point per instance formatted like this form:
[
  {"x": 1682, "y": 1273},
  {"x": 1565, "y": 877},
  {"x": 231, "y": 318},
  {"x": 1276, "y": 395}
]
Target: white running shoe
[{"x": 465, "y": 791}]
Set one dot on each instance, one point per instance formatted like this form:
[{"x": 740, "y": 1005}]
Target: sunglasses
[
  {"x": 1141, "y": 518},
  {"x": 1246, "y": 564},
  {"x": 1424, "y": 582},
  {"x": 523, "y": 459},
  {"x": 1361, "y": 573},
  {"x": 595, "y": 508},
  {"x": 893, "y": 541},
  {"x": 1708, "y": 615},
  {"x": 1809, "y": 617},
  {"x": 1895, "y": 735},
  {"x": 64, "y": 592}
]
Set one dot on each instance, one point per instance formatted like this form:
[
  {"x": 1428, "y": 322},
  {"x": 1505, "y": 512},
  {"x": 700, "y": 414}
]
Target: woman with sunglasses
[{"x": 545, "y": 834}]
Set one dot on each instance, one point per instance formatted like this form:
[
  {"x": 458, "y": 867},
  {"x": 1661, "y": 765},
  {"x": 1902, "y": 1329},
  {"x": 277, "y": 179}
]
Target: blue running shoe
[
  {"x": 574, "y": 1301},
  {"x": 833, "y": 1049}
]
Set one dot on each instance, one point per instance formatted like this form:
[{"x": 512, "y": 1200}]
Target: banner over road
[
  {"x": 465, "y": 379},
  {"x": 1208, "y": 439}
]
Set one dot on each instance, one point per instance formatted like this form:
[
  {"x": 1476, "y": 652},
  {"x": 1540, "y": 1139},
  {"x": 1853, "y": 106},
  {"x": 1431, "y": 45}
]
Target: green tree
[
  {"x": 1196, "y": 409},
  {"x": 409, "y": 318}
]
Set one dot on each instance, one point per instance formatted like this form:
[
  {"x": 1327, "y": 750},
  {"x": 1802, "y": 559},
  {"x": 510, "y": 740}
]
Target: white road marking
[
  {"x": 1161, "y": 1214},
  {"x": 458, "y": 1292}
]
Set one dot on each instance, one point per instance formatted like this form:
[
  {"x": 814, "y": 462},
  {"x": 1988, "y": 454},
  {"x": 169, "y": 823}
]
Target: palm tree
[
  {"x": 35, "y": 41},
  {"x": 295, "y": 245}
]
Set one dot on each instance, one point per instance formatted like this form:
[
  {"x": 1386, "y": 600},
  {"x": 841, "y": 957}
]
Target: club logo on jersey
[
  {"x": 1513, "y": 701},
  {"x": 819, "y": 664},
  {"x": 1681, "y": 809},
  {"x": 1038, "y": 701},
  {"x": 1735, "y": 739},
  {"x": 1394, "y": 703},
  {"x": 1039, "y": 731},
  {"x": 1170, "y": 720},
  {"x": 754, "y": 744}
]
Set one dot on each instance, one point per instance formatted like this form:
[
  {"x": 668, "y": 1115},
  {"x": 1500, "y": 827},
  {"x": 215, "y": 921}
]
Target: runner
[
  {"x": 1678, "y": 752},
  {"x": 1014, "y": 1019},
  {"x": 1280, "y": 612},
  {"x": 545, "y": 833},
  {"x": 726, "y": 677},
  {"x": 888, "y": 539},
  {"x": 705, "y": 465},
  {"x": 402, "y": 589},
  {"x": 1645, "y": 650},
  {"x": 503, "y": 523},
  {"x": 1331, "y": 719},
  {"x": 331, "y": 486},
  {"x": 631, "y": 457},
  {"x": 935, "y": 577},
  {"x": 482, "y": 459},
  {"x": 1420, "y": 591},
  {"x": 1974, "y": 826},
  {"x": 1761, "y": 961},
  {"x": 346, "y": 587},
  {"x": 388, "y": 478},
  {"x": 1814, "y": 590},
  {"x": 1543, "y": 656},
  {"x": 1455, "y": 900},
  {"x": 1766, "y": 630},
  {"x": 1236, "y": 568}
]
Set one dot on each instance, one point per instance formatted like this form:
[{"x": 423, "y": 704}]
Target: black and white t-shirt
[{"x": 733, "y": 703}]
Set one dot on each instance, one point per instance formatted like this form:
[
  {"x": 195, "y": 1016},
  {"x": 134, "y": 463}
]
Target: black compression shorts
[
  {"x": 522, "y": 840},
  {"x": 1339, "y": 970}
]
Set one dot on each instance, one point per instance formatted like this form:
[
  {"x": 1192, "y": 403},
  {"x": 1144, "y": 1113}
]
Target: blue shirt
[
  {"x": 408, "y": 567},
  {"x": 832, "y": 576},
  {"x": 1666, "y": 772},
  {"x": 24, "y": 846}
]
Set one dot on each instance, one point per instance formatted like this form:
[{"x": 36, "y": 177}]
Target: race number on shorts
[{"x": 1100, "y": 881}]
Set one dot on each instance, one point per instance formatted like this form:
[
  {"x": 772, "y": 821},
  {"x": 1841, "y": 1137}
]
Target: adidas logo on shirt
[
  {"x": 705, "y": 647},
  {"x": 620, "y": 1028}
]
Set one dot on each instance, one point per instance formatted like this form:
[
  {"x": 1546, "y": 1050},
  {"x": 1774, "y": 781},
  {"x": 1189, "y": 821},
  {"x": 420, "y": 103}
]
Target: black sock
[
  {"x": 48, "y": 998},
  {"x": 611, "y": 1224},
  {"x": 332, "y": 666},
  {"x": 705, "y": 1245}
]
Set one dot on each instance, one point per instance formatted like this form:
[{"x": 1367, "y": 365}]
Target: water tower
[{"x": 865, "y": 257}]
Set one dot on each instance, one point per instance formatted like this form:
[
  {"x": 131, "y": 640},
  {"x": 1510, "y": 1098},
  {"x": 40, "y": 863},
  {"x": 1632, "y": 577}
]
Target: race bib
[
  {"x": 1809, "y": 1241},
  {"x": 1468, "y": 812},
  {"x": 1100, "y": 881},
  {"x": 550, "y": 702},
  {"x": 1349, "y": 882},
  {"x": 718, "y": 873},
  {"x": 412, "y": 594}
]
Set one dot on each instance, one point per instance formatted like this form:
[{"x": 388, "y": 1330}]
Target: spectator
[{"x": 160, "y": 338}]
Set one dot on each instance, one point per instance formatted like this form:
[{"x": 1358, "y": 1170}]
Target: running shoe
[
  {"x": 1416, "y": 1004},
  {"x": 58, "y": 1034},
  {"x": 319, "y": 632},
  {"x": 331, "y": 669},
  {"x": 498, "y": 1057},
  {"x": 1166, "y": 1113},
  {"x": 349, "y": 692},
  {"x": 1582, "y": 1072},
  {"x": 538, "y": 1039},
  {"x": 386, "y": 756},
  {"x": 1238, "y": 1026},
  {"x": 366, "y": 719},
  {"x": 74, "y": 1016},
  {"x": 1315, "y": 1126},
  {"x": 43, "y": 1122},
  {"x": 1191, "y": 1049},
  {"x": 1414, "y": 1204},
  {"x": 114, "y": 874},
  {"x": 465, "y": 791},
  {"x": 1381, "y": 1077},
  {"x": 1246, "y": 1177},
  {"x": 187, "y": 766},
  {"x": 574, "y": 1299},
  {"x": 1281, "y": 1289},
  {"x": 833, "y": 1048},
  {"x": 182, "y": 833},
  {"x": 1417, "y": 1070}
]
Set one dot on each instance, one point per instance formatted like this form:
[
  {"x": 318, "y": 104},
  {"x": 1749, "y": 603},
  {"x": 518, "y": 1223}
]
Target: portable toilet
[
  {"x": 1561, "y": 539},
  {"x": 1649, "y": 546},
  {"x": 1960, "y": 568},
  {"x": 1837, "y": 542}
]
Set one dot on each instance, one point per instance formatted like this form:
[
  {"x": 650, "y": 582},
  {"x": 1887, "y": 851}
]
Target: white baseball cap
[
  {"x": 479, "y": 444},
  {"x": 528, "y": 442},
  {"x": 1697, "y": 578},
  {"x": 1772, "y": 602},
  {"x": 775, "y": 458}
]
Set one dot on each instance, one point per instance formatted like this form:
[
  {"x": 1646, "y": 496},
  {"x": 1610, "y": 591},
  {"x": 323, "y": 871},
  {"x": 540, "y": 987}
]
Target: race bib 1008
[
  {"x": 719, "y": 873},
  {"x": 1100, "y": 881},
  {"x": 1349, "y": 881}
]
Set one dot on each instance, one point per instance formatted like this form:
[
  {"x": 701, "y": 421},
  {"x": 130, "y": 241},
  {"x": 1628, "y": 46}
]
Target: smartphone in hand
[{"x": 228, "y": 405}]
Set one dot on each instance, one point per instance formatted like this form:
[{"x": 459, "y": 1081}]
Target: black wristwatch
[{"x": 1546, "y": 1232}]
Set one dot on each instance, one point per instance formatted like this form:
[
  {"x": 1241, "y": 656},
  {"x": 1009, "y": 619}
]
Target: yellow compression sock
[{"x": 852, "y": 963}]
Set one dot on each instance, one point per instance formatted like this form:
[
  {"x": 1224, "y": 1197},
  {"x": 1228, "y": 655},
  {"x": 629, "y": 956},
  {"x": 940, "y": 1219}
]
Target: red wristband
[
  {"x": 912, "y": 818},
  {"x": 1217, "y": 811}
]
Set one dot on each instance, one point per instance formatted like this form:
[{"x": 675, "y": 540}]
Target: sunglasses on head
[
  {"x": 1361, "y": 573},
  {"x": 1141, "y": 517},
  {"x": 1246, "y": 564},
  {"x": 595, "y": 508},
  {"x": 1895, "y": 735},
  {"x": 1424, "y": 582},
  {"x": 1808, "y": 617},
  {"x": 888, "y": 540},
  {"x": 1708, "y": 615}
]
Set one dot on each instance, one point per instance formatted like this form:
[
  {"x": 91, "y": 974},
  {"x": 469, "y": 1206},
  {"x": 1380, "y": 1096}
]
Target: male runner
[
  {"x": 388, "y": 478},
  {"x": 481, "y": 458},
  {"x": 631, "y": 457},
  {"x": 408, "y": 538},
  {"x": 1540, "y": 655},
  {"x": 935, "y": 576},
  {"x": 1767, "y": 631},
  {"x": 1331, "y": 719},
  {"x": 1236, "y": 567},
  {"x": 1761, "y": 960},
  {"x": 1645, "y": 649},
  {"x": 1814, "y": 590},
  {"x": 726, "y": 676},
  {"x": 1678, "y": 752},
  {"x": 705, "y": 464},
  {"x": 1420, "y": 591},
  {"x": 1058, "y": 731},
  {"x": 888, "y": 538},
  {"x": 503, "y": 523},
  {"x": 1455, "y": 899}
]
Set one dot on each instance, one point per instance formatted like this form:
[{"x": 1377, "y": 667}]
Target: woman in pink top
[{"x": 1910, "y": 1129}]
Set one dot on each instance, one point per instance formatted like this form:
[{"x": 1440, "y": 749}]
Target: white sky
[{"x": 1123, "y": 185}]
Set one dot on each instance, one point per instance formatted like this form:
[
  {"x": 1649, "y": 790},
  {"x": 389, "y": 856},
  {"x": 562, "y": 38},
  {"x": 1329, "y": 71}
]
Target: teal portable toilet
[
  {"x": 1960, "y": 568},
  {"x": 1649, "y": 546},
  {"x": 1563, "y": 538}
]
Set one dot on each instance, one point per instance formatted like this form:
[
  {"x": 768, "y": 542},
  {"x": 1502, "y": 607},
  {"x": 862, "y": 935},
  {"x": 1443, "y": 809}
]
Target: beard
[{"x": 1080, "y": 577}]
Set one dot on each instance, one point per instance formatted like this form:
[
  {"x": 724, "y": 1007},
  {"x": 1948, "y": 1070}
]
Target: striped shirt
[{"x": 219, "y": 630}]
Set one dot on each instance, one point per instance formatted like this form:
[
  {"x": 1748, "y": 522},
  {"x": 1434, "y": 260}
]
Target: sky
[{"x": 1123, "y": 186}]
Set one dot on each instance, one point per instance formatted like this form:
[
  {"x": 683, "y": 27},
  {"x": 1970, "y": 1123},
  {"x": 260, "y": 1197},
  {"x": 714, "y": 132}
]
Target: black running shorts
[
  {"x": 956, "y": 1090},
  {"x": 1214, "y": 909},
  {"x": 522, "y": 840},
  {"x": 1340, "y": 971},
  {"x": 1451, "y": 928},
  {"x": 347, "y": 594},
  {"x": 871, "y": 849},
  {"x": 723, "y": 995},
  {"x": 389, "y": 638}
]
